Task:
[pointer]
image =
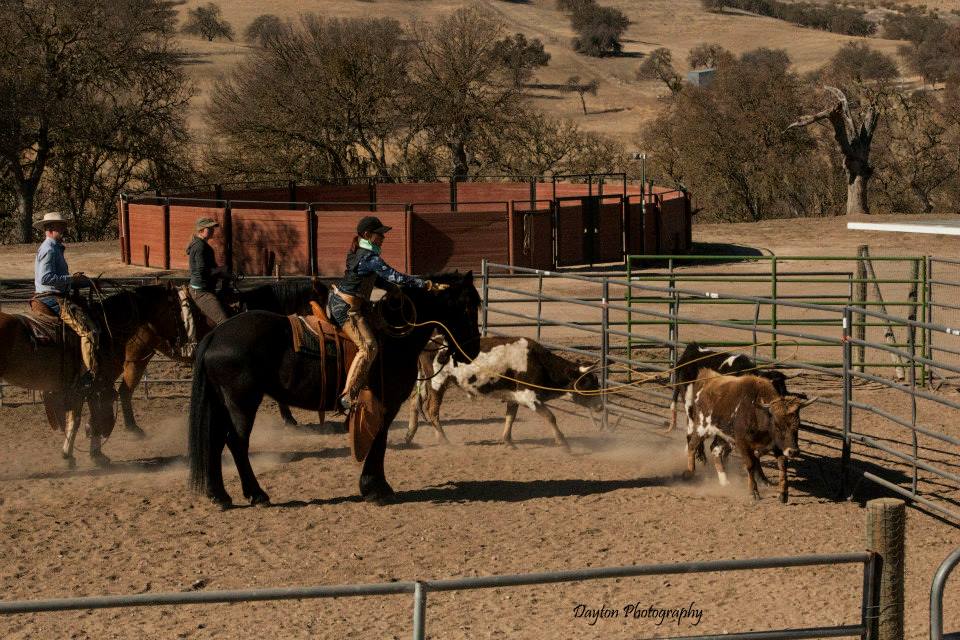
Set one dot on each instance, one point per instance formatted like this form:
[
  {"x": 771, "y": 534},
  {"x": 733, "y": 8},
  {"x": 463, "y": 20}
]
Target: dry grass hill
[{"x": 622, "y": 103}]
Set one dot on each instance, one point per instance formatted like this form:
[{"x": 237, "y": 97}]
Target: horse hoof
[
  {"x": 380, "y": 499},
  {"x": 291, "y": 422},
  {"x": 71, "y": 461},
  {"x": 136, "y": 432},
  {"x": 377, "y": 491},
  {"x": 783, "y": 498},
  {"x": 222, "y": 502},
  {"x": 687, "y": 475},
  {"x": 260, "y": 500},
  {"x": 99, "y": 459}
]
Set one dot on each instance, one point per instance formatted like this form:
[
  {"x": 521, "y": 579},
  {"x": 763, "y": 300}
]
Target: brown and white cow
[
  {"x": 528, "y": 365},
  {"x": 746, "y": 414}
]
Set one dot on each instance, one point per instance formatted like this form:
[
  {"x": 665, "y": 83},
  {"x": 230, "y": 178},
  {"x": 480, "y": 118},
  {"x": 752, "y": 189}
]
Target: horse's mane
[{"x": 290, "y": 296}]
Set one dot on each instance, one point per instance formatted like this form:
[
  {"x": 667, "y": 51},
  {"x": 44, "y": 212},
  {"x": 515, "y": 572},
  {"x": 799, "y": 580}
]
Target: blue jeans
[
  {"x": 53, "y": 303},
  {"x": 338, "y": 310}
]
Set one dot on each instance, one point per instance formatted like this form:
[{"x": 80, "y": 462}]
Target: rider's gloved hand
[{"x": 79, "y": 280}]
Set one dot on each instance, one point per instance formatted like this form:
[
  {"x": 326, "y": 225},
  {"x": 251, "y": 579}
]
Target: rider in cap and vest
[
  {"x": 350, "y": 299},
  {"x": 204, "y": 272},
  {"x": 52, "y": 282}
]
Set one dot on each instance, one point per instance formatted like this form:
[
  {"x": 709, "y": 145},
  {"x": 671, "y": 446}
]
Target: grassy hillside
[{"x": 622, "y": 103}]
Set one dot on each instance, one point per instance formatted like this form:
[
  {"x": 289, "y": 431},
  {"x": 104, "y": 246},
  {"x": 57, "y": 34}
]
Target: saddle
[
  {"x": 317, "y": 337},
  {"x": 46, "y": 329}
]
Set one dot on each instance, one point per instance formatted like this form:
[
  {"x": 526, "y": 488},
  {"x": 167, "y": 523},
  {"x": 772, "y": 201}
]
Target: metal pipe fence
[
  {"x": 869, "y": 600},
  {"x": 901, "y": 438},
  {"x": 936, "y": 593},
  {"x": 903, "y": 278}
]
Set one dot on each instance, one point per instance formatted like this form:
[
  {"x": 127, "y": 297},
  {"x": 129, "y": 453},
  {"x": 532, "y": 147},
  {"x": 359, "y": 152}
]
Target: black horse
[
  {"x": 251, "y": 355},
  {"x": 279, "y": 297}
]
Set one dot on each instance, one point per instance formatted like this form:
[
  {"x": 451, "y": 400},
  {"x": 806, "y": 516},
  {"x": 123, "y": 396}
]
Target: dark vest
[{"x": 352, "y": 282}]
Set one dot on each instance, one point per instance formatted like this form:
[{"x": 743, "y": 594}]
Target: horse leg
[
  {"x": 243, "y": 410},
  {"x": 288, "y": 418},
  {"x": 373, "y": 482},
  {"x": 74, "y": 413},
  {"x": 547, "y": 415},
  {"x": 133, "y": 371},
  {"x": 508, "y": 424}
]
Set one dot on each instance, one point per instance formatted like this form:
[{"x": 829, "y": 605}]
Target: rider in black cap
[{"x": 350, "y": 299}]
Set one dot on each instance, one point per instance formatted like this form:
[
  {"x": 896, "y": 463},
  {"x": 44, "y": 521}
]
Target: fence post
[
  {"x": 311, "y": 240},
  {"x": 604, "y": 348},
  {"x": 886, "y": 530},
  {"x": 846, "y": 398},
  {"x": 673, "y": 328},
  {"x": 419, "y": 610},
  {"x": 927, "y": 310},
  {"x": 166, "y": 233},
  {"x": 861, "y": 329},
  {"x": 485, "y": 271},
  {"x": 911, "y": 339},
  {"x": 773, "y": 307},
  {"x": 228, "y": 236},
  {"x": 539, "y": 302}
]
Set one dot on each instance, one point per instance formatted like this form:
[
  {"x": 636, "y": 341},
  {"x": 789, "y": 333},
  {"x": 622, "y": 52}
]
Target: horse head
[{"x": 457, "y": 309}]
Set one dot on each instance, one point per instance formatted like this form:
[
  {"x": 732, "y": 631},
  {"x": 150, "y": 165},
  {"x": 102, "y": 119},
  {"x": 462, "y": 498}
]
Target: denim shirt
[{"x": 51, "y": 274}]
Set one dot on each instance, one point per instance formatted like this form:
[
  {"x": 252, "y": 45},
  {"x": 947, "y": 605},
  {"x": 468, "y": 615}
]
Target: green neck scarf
[{"x": 369, "y": 246}]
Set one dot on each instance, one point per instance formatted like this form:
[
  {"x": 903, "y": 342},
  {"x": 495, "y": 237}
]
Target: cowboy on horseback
[
  {"x": 52, "y": 282},
  {"x": 204, "y": 272},
  {"x": 350, "y": 300}
]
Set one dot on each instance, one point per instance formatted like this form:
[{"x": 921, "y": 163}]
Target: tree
[
  {"x": 574, "y": 84},
  {"x": 70, "y": 68},
  {"x": 521, "y": 56},
  {"x": 263, "y": 28},
  {"x": 599, "y": 29},
  {"x": 859, "y": 74},
  {"x": 464, "y": 89},
  {"x": 207, "y": 21},
  {"x": 709, "y": 56},
  {"x": 727, "y": 140},
  {"x": 326, "y": 97},
  {"x": 658, "y": 65}
]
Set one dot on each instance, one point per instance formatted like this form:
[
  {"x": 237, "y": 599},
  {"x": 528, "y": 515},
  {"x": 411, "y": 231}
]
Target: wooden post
[
  {"x": 166, "y": 233},
  {"x": 886, "y": 530},
  {"x": 228, "y": 236}
]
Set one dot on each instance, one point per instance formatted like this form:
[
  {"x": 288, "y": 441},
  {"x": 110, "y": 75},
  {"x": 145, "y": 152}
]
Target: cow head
[
  {"x": 587, "y": 383},
  {"x": 785, "y": 422}
]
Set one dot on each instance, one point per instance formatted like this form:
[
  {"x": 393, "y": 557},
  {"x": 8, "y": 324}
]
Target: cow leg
[
  {"x": 433, "y": 398},
  {"x": 782, "y": 466},
  {"x": 720, "y": 451},
  {"x": 544, "y": 412},
  {"x": 413, "y": 419},
  {"x": 750, "y": 463},
  {"x": 508, "y": 424}
]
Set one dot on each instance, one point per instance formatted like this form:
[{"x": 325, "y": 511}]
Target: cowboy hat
[{"x": 51, "y": 218}]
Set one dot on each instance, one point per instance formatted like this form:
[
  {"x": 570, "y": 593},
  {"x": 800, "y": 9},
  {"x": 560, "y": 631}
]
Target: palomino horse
[
  {"x": 279, "y": 297},
  {"x": 252, "y": 355},
  {"x": 53, "y": 368}
]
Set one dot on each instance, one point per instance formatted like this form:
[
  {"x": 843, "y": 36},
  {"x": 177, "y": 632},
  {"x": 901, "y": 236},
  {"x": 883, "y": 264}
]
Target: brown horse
[
  {"x": 54, "y": 368},
  {"x": 280, "y": 297}
]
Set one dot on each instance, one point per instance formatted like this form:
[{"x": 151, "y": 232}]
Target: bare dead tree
[{"x": 853, "y": 130}]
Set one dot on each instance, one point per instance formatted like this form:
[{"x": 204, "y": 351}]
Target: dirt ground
[{"x": 471, "y": 509}]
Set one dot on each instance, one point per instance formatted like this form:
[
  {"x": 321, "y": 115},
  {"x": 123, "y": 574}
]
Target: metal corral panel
[
  {"x": 333, "y": 193},
  {"x": 571, "y": 223},
  {"x": 146, "y": 235},
  {"x": 472, "y": 195},
  {"x": 182, "y": 224},
  {"x": 533, "y": 238},
  {"x": 674, "y": 225},
  {"x": 651, "y": 228},
  {"x": 443, "y": 241},
  {"x": 633, "y": 223},
  {"x": 335, "y": 231},
  {"x": 608, "y": 240},
  {"x": 414, "y": 192},
  {"x": 263, "y": 238},
  {"x": 270, "y": 195}
]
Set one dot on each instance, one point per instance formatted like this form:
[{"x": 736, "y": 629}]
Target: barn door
[{"x": 572, "y": 225}]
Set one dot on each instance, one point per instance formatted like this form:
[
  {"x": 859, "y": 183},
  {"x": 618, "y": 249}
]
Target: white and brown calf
[
  {"x": 746, "y": 414},
  {"x": 527, "y": 365}
]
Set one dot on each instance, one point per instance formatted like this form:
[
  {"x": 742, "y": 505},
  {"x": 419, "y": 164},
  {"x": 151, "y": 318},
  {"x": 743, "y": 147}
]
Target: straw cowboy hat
[{"x": 51, "y": 218}]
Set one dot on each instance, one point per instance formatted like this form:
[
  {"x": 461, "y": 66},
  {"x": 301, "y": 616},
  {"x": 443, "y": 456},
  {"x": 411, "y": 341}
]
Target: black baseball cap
[{"x": 371, "y": 224}]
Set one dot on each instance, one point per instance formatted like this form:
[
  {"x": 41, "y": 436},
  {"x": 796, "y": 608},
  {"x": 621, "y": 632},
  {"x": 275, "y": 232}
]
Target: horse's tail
[{"x": 207, "y": 413}]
